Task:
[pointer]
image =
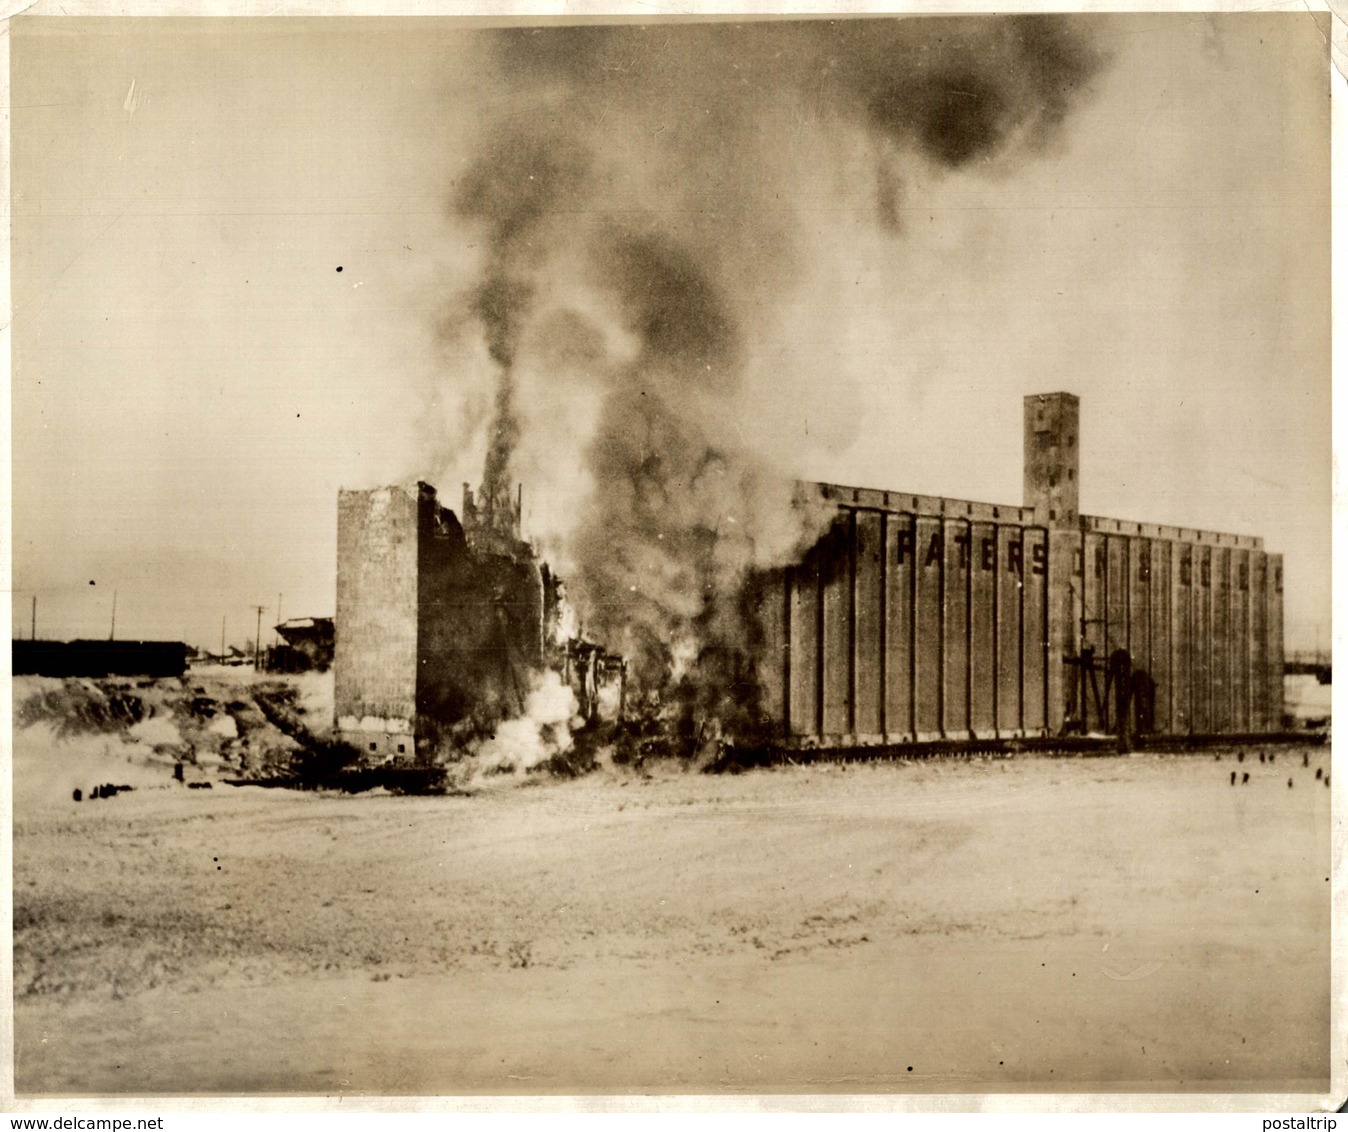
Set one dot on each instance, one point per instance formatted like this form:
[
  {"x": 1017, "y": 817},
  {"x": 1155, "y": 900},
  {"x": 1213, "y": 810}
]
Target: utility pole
[
  {"x": 32, "y": 629},
  {"x": 222, "y": 640},
  {"x": 112, "y": 633},
  {"x": 276, "y": 633},
  {"x": 257, "y": 640}
]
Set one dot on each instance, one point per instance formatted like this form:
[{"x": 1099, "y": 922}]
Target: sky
[{"x": 239, "y": 269}]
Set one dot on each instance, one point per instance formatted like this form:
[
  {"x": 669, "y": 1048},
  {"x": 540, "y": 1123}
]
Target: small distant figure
[
  {"x": 78, "y": 795},
  {"x": 1233, "y": 778},
  {"x": 1244, "y": 778},
  {"x": 1240, "y": 756},
  {"x": 1319, "y": 773},
  {"x": 1272, "y": 758},
  {"x": 1261, "y": 756},
  {"x": 1289, "y": 784},
  {"x": 178, "y": 772},
  {"x": 1326, "y": 780},
  {"x": 1306, "y": 759}
]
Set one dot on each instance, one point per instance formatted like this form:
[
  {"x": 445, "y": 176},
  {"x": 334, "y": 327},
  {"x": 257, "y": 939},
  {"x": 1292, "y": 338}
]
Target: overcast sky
[{"x": 234, "y": 258}]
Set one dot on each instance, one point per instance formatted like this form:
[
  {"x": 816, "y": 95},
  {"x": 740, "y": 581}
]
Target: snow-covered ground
[
  {"x": 996, "y": 925},
  {"x": 1305, "y": 698}
]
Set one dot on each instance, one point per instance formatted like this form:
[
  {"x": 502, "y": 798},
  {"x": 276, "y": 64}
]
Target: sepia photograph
[{"x": 725, "y": 555}]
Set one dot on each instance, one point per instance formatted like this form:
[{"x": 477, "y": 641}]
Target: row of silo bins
[{"x": 918, "y": 618}]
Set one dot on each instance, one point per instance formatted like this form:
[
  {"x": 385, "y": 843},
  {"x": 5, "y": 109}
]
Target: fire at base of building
[{"x": 445, "y": 626}]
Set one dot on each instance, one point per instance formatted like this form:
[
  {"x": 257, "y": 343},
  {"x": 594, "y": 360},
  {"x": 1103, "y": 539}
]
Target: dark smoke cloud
[
  {"x": 648, "y": 174},
  {"x": 647, "y": 546},
  {"x": 523, "y": 180},
  {"x": 672, "y": 306},
  {"x": 967, "y": 91},
  {"x": 954, "y": 88},
  {"x": 525, "y": 176}
]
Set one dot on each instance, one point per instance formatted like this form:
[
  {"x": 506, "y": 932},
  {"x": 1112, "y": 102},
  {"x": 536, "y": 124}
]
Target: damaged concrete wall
[
  {"x": 480, "y": 629},
  {"x": 375, "y": 659},
  {"x": 440, "y": 634}
]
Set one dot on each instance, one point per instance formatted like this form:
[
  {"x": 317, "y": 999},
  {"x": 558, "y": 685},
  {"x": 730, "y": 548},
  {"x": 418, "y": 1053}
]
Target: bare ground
[{"x": 1003, "y": 925}]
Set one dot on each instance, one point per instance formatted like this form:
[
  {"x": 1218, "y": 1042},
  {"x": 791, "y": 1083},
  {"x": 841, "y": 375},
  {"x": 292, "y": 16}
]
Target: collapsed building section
[
  {"x": 920, "y": 618},
  {"x": 444, "y": 626}
]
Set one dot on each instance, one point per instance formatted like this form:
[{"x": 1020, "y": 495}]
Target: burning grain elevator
[{"x": 912, "y": 619}]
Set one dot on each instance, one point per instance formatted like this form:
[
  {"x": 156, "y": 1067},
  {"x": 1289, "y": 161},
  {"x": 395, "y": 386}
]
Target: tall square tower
[
  {"x": 375, "y": 662},
  {"x": 436, "y": 633},
  {"x": 1052, "y": 460}
]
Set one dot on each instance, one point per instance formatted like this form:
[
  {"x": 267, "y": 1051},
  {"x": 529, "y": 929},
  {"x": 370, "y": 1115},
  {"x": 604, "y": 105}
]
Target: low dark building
[{"x": 309, "y": 645}]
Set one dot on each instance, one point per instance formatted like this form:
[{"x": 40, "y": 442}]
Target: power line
[{"x": 257, "y": 639}]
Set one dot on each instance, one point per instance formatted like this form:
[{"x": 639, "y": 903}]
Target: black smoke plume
[
  {"x": 522, "y": 180},
  {"x": 637, "y": 200}
]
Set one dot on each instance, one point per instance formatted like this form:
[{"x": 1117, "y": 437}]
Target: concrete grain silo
[{"x": 921, "y": 618}]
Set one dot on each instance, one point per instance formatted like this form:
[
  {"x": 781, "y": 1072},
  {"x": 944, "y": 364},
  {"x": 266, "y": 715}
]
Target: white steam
[{"x": 544, "y": 730}]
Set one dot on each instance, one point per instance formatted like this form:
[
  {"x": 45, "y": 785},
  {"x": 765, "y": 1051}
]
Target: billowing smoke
[
  {"x": 640, "y": 193},
  {"x": 540, "y": 732},
  {"x": 523, "y": 179},
  {"x": 682, "y": 511}
]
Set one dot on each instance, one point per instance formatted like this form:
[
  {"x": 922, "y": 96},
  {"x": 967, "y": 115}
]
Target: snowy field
[
  {"x": 1120, "y": 923},
  {"x": 1131, "y": 923}
]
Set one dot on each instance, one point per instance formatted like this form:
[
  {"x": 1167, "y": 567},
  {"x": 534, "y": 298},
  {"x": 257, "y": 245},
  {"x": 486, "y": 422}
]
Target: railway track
[{"x": 735, "y": 758}]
